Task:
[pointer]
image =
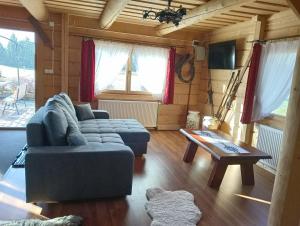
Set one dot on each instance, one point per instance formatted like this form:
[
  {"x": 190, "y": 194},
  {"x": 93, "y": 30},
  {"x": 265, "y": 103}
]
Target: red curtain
[
  {"x": 251, "y": 84},
  {"x": 87, "y": 79},
  {"x": 170, "y": 79}
]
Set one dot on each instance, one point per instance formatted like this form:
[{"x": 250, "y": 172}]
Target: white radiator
[
  {"x": 143, "y": 111},
  {"x": 269, "y": 141}
]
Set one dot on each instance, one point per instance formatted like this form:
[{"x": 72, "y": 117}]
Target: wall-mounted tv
[{"x": 222, "y": 55}]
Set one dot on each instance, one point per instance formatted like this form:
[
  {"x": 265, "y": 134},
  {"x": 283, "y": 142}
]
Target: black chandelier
[{"x": 167, "y": 15}]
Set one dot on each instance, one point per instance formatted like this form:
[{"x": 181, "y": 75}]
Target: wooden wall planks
[
  {"x": 280, "y": 25},
  {"x": 283, "y": 24},
  {"x": 170, "y": 117},
  {"x": 242, "y": 33}
]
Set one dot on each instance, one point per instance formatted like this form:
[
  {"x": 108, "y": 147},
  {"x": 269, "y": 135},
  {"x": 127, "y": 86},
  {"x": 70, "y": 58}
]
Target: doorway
[{"x": 17, "y": 78}]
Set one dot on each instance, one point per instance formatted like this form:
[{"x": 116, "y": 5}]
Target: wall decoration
[{"x": 181, "y": 60}]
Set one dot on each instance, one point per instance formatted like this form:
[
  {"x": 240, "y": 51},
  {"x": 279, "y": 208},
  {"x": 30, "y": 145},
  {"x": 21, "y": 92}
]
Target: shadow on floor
[{"x": 11, "y": 143}]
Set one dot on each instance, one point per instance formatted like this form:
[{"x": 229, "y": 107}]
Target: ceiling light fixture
[{"x": 167, "y": 15}]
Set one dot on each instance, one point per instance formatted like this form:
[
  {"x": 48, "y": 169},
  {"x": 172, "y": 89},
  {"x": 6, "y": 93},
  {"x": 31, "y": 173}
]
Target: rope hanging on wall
[{"x": 181, "y": 60}]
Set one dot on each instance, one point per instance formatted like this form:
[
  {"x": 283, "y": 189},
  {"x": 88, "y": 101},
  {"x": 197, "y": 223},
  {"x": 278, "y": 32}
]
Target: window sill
[
  {"x": 274, "y": 121},
  {"x": 126, "y": 96}
]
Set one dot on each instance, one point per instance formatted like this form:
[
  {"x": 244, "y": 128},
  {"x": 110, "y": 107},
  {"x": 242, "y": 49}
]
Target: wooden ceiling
[{"x": 211, "y": 19}]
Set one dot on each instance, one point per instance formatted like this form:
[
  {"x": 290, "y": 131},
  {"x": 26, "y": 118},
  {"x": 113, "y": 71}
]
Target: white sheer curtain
[
  {"x": 274, "y": 77},
  {"x": 110, "y": 59},
  {"x": 152, "y": 68}
]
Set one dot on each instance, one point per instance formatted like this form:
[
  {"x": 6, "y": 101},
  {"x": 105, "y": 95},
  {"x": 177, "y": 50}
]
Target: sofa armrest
[
  {"x": 73, "y": 173},
  {"x": 101, "y": 114}
]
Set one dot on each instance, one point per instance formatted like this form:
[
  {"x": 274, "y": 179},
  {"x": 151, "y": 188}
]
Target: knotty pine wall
[
  {"x": 173, "y": 116},
  {"x": 281, "y": 25},
  {"x": 170, "y": 117},
  {"x": 242, "y": 33}
]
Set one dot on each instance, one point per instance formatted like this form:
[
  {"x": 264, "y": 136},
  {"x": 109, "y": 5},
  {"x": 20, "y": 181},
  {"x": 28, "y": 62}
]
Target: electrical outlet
[
  {"x": 49, "y": 71},
  {"x": 51, "y": 23}
]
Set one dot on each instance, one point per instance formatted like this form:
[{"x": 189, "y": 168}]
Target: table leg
[
  {"x": 190, "y": 152},
  {"x": 247, "y": 173},
  {"x": 217, "y": 174}
]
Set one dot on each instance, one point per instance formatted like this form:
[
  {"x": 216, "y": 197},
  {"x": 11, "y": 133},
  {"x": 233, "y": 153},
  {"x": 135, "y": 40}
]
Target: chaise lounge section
[{"x": 131, "y": 131}]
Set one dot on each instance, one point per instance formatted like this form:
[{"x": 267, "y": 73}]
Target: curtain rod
[
  {"x": 295, "y": 37},
  {"x": 131, "y": 42},
  {"x": 141, "y": 43},
  {"x": 134, "y": 43}
]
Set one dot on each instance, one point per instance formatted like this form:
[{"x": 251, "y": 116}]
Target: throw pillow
[
  {"x": 84, "y": 112},
  {"x": 55, "y": 124}
]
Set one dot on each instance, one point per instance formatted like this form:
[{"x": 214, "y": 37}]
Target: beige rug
[
  {"x": 174, "y": 208},
  {"x": 59, "y": 221}
]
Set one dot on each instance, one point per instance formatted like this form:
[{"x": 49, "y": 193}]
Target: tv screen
[{"x": 222, "y": 55}]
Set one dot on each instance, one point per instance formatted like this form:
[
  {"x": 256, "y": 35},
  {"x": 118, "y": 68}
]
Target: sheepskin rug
[
  {"x": 174, "y": 208},
  {"x": 59, "y": 221}
]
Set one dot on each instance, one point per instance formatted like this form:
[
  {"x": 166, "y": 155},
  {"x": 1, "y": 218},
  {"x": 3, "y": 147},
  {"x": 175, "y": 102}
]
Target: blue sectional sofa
[{"x": 68, "y": 159}]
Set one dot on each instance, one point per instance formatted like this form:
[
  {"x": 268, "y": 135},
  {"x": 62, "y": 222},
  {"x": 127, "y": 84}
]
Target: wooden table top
[{"x": 254, "y": 153}]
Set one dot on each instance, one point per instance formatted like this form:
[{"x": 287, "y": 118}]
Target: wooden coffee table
[{"x": 222, "y": 159}]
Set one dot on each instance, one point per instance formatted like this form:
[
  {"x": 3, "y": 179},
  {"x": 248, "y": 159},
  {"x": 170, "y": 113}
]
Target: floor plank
[{"x": 233, "y": 204}]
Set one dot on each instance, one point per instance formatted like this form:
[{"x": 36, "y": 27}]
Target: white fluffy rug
[
  {"x": 59, "y": 221},
  {"x": 174, "y": 208}
]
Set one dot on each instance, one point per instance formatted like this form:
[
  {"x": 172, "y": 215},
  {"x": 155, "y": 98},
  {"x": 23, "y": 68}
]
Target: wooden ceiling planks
[
  {"x": 11, "y": 3},
  {"x": 162, "y": 4},
  {"x": 132, "y": 13}
]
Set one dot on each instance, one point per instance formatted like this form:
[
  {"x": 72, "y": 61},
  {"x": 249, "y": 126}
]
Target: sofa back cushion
[
  {"x": 68, "y": 100},
  {"x": 66, "y": 107},
  {"x": 56, "y": 124}
]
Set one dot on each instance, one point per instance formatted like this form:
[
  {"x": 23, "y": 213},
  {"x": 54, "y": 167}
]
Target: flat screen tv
[{"x": 222, "y": 55}]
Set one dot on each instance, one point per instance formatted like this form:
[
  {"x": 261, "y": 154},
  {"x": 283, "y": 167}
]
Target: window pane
[
  {"x": 111, "y": 61},
  {"x": 136, "y": 83},
  {"x": 148, "y": 69},
  {"x": 282, "y": 110},
  {"x": 119, "y": 82}
]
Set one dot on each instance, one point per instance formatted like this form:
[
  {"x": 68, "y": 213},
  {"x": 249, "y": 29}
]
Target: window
[
  {"x": 282, "y": 110},
  {"x": 126, "y": 68},
  {"x": 275, "y": 75},
  {"x": 17, "y": 77}
]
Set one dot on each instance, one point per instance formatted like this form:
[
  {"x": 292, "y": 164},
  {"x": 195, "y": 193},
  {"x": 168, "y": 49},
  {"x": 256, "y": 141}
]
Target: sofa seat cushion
[
  {"x": 130, "y": 130},
  {"x": 97, "y": 138}
]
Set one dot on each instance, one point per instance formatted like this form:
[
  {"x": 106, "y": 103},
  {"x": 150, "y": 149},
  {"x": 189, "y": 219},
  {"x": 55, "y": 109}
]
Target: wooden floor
[{"x": 233, "y": 204}]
